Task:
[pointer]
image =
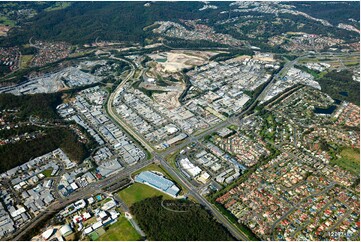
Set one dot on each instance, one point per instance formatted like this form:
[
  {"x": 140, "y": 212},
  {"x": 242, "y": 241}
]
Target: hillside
[{"x": 83, "y": 22}]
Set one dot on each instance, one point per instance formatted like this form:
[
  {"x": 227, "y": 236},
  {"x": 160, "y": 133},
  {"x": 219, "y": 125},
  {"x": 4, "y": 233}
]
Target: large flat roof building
[{"x": 158, "y": 181}]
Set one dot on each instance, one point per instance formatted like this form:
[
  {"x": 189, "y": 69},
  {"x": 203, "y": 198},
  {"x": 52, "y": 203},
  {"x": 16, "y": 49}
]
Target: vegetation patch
[
  {"x": 350, "y": 160},
  {"x": 42, "y": 106},
  {"x": 58, "y": 6},
  {"x": 153, "y": 167},
  {"x": 334, "y": 83},
  {"x": 193, "y": 223},
  {"x": 55, "y": 138},
  {"x": 5, "y": 21},
  {"x": 25, "y": 61},
  {"x": 47, "y": 173}
]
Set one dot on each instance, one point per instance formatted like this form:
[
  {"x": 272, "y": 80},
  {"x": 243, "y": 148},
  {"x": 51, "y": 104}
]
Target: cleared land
[
  {"x": 122, "y": 230},
  {"x": 138, "y": 192},
  {"x": 176, "y": 60},
  {"x": 350, "y": 160},
  {"x": 25, "y": 61}
]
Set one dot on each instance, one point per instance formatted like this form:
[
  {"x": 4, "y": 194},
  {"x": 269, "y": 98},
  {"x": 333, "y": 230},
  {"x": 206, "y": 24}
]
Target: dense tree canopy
[
  {"x": 12, "y": 155},
  {"x": 83, "y": 22},
  {"x": 340, "y": 85},
  {"x": 194, "y": 223},
  {"x": 43, "y": 106}
]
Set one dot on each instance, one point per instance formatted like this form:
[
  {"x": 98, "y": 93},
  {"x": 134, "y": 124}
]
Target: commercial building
[
  {"x": 158, "y": 182},
  {"x": 189, "y": 168},
  {"x": 66, "y": 230}
]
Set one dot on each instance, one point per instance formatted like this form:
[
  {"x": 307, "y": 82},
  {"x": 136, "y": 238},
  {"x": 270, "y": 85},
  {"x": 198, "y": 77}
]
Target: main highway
[{"x": 110, "y": 107}]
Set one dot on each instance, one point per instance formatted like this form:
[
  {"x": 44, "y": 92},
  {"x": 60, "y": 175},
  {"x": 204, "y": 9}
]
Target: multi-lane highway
[{"x": 115, "y": 117}]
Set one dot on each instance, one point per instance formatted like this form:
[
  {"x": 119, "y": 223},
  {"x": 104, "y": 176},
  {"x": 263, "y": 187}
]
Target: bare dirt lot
[{"x": 176, "y": 60}]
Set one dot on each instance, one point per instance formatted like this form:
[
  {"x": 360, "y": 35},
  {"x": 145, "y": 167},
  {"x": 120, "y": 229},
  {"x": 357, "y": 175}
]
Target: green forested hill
[
  {"x": 42, "y": 106},
  {"x": 194, "y": 223},
  {"x": 334, "y": 12},
  {"x": 83, "y": 22}
]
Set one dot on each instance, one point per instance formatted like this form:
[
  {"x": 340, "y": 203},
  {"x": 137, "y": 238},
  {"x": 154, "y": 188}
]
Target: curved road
[{"x": 111, "y": 112}]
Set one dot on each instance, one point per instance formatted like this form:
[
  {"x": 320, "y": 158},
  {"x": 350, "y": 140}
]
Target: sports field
[{"x": 122, "y": 230}]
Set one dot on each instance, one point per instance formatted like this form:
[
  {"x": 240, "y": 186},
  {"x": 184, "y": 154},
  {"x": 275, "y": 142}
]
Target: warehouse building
[{"x": 158, "y": 182}]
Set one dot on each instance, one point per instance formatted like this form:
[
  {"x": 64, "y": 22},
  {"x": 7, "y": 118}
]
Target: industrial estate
[{"x": 215, "y": 125}]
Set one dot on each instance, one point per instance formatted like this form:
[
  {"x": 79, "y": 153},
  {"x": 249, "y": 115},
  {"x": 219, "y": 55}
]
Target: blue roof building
[{"x": 158, "y": 182}]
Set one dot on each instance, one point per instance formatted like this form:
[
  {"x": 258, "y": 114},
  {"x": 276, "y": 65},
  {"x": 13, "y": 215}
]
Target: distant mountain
[{"x": 83, "y": 22}]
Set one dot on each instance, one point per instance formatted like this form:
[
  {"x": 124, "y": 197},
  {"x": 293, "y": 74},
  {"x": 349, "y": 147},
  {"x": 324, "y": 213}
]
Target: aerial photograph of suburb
[{"x": 180, "y": 120}]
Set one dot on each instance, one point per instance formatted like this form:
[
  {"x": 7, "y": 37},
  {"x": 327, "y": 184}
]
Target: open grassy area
[
  {"x": 47, "y": 173},
  {"x": 171, "y": 159},
  {"x": 351, "y": 154},
  {"x": 5, "y": 21},
  {"x": 352, "y": 63},
  {"x": 25, "y": 61},
  {"x": 152, "y": 167},
  {"x": 350, "y": 160},
  {"x": 138, "y": 192},
  {"x": 58, "y": 6},
  {"x": 93, "y": 236},
  {"x": 122, "y": 230}
]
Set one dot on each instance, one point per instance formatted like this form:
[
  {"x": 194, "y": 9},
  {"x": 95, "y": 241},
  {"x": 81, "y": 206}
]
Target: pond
[
  {"x": 345, "y": 94},
  {"x": 328, "y": 110}
]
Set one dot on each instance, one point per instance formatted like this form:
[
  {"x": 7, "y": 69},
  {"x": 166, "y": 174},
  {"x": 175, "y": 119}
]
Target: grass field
[
  {"x": 58, "y": 6},
  {"x": 152, "y": 167},
  {"x": 25, "y": 61},
  {"x": 47, "y": 173},
  {"x": 122, "y": 230},
  {"x": 350, "y": 160},
  {"x": 138, "y": 192},
  {"x": 93, "y": 236},
  {"x": 4, "y": 20}
]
